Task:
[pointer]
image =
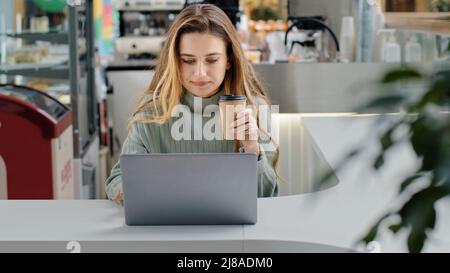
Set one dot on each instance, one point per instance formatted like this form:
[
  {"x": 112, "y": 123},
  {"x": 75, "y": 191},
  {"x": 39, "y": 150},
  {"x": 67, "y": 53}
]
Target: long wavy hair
[{"x": 165, "y": 90}]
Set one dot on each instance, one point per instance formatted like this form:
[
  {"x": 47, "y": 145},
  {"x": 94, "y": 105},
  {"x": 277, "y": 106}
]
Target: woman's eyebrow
[{"x": 207, "y": 55}]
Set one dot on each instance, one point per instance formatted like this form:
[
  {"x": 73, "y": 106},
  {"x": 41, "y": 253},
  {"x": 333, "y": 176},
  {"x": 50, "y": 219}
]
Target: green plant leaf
[
  {"x": 423, "y": 140},
  {"x": 379, "y": 162},
  {"x": 386, "y": 143},
  {"x": 416, "y": 240},
  {"x": 408, "y": 181},
  {"x": 419, "y": 213},
  {"x": 429, "y": 136},
  {"x": 442, "y": 172},
  {"x": 400, "y": 75},
  {"x": 390, "y": 102},
  {"x": 438, "y": 93},
  {"x": 386, "y": 139},
  {"x": 371, "y": 235},
  {"x": 395, "y": 228}
]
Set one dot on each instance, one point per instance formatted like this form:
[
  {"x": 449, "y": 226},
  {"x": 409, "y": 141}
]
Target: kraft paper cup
[{"x": 229, "y": 106}]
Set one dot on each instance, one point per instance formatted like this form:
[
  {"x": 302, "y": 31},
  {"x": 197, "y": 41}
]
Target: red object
[{"x": 26, "y": 132}]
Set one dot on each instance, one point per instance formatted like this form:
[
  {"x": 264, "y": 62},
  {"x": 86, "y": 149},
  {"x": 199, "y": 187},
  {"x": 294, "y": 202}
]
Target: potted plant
[{"x": 427, "y": 119}]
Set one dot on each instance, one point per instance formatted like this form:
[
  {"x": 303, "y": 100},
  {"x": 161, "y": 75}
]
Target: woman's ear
[{"x": 228, "y": 64}]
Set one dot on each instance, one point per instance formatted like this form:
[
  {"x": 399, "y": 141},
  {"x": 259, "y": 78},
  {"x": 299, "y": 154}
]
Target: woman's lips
[{"x": 200, "y": 84}]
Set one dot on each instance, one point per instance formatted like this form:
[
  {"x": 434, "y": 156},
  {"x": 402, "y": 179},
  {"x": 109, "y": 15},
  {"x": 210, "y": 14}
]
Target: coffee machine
[
  {"x": 142, "y": 25},
  {"x": 309, "y": 35},
  {"x": 320, "y": 21}
]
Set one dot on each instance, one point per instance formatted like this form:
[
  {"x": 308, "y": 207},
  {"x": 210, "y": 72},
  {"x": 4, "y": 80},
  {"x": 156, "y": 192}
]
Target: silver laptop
[{"x": 189, "y": 189}]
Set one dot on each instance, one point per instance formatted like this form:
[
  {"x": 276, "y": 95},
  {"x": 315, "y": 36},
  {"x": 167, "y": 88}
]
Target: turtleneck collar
[{"x": 188, "y": 99}]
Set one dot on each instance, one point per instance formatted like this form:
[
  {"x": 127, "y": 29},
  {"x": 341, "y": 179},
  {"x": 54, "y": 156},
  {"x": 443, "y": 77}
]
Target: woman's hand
[
  {"x": 246, "y": 129},
  {"x": 119, "y": 196}
]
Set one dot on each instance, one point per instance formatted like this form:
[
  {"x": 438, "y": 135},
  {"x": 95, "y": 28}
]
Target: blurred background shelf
[
  {"x": 434, "y": 22},
  {"x": 53, "y": 37},
  {"x": 55, "y": 53},
  {"x": 37, "y": 70}
]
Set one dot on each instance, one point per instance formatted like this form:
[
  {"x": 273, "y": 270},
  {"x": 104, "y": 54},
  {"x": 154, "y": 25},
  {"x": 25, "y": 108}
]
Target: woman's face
[{"x": 204, "y": 61}]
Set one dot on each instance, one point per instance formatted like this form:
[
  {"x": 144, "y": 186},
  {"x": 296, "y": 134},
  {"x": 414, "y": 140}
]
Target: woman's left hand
[{"x": 246, "y": 129}]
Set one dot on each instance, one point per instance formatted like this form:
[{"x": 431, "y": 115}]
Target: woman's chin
[{"x": 204, "y": 93}]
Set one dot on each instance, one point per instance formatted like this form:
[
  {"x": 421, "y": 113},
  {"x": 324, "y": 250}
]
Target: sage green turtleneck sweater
[{"x": 155, "y": 138}]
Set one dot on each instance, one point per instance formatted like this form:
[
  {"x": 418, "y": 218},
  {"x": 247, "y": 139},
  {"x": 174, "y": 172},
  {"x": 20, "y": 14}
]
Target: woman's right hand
[{"x": 118, "y": 198}]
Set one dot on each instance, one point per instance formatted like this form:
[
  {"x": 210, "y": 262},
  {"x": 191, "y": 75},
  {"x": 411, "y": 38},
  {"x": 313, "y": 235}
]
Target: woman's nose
[{"x": 200, "y": 69}]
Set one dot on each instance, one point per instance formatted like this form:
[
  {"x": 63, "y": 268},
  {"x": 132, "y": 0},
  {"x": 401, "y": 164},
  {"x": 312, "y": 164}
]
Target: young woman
[{"x": 201, "y": 59}]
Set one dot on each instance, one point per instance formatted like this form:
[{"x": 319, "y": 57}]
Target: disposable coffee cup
[{"x": 229, "y": 106}]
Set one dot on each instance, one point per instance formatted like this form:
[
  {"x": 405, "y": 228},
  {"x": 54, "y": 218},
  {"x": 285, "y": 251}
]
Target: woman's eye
[
  {"x": 212, "y": 61},
  {"x": 188, "y": 61}
]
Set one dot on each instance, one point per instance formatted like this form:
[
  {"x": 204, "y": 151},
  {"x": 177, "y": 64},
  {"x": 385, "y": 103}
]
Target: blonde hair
[{"x": 166, "y": 88}]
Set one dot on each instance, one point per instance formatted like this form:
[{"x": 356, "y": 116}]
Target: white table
[{"x": 331, "y": 220}]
